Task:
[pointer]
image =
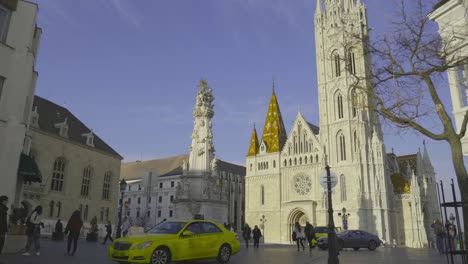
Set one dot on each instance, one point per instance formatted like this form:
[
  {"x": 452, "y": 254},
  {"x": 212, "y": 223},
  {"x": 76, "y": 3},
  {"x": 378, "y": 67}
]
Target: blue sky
[{"x": 129, "y": 69}]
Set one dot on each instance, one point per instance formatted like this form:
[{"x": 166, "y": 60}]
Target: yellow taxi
[{"x": 175, "y": 241}]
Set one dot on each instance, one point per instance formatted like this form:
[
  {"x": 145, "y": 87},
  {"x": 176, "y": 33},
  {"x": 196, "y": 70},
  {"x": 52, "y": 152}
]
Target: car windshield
[
  {"x": 320, "y": 229},
  {"x": 167, "y": 228}
]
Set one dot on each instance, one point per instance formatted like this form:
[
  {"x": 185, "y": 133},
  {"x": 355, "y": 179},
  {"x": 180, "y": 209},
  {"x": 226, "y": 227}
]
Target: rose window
[{"x": 302, "y": 185}]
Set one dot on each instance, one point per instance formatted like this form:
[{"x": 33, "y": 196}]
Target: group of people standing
[
  {"x": 254, "y": 234},
  {"x": 444, "y": 236},
  {"x": 299, "y": 235}
]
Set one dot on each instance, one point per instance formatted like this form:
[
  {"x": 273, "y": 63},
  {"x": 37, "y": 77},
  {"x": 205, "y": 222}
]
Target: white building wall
[{"x": 17, "y": 69}]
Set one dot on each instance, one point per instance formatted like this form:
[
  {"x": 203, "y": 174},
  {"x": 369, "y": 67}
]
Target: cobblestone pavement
[{"x": 89, "y": 253}]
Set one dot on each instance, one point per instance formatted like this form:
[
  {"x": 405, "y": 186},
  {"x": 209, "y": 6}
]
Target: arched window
[
  {"x": 300, "y": 161},
  {"x": 59, "y": 208},
  {"x": 305, "y": 143},
  {"x": 85, "y": 214},
  {"x": 51, "y": 208},
  {"x": 351, "y": 62},
  {"x": 336, "y": 64},
  {"x": 250, "y": 166},
  {"x": 305, "y": 159},
  {"x": 107, "y": 183},
  {"x": 58, "y": 174},
  {"x": 290, "y": 162},
  {"x": 262, "y": 195},
  {"x": 341, "y": 147},
  {"x": 295, "y": 143},
  {"x": 343, "y": 187},
  {"x": 339, "y": 101},
  {"x": 354, "y": 103},
  {"x": 274, "y": 164},
  {"x": 86, "y": 181},
  {"x": 316, "y": 158},
  {"x": 285, "y": 163},
  {"x": 311, "y": 159},
  {"x": 295, "y": 161}
]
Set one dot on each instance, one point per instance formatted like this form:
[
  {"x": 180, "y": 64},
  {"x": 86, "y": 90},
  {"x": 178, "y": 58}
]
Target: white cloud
[{"x": 124, "y": 12}]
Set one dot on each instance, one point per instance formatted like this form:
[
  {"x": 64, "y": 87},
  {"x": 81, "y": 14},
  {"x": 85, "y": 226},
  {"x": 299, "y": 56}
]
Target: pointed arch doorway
[{"x": 296, "y": 215}]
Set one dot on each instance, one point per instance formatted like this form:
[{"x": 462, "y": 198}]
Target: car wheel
[
  {"x": 372, "y": 245},
  {"x": 340, "y": 244},
  {"x": 161, "y": 256},
  {"x": 356, "y": 249},
  {"x": 224, "y": 253}
]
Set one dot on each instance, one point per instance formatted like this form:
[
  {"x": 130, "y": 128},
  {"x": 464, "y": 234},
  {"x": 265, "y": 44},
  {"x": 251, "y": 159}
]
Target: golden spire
[
  {"x": 253, "y": 149},
  {"x": 274, "y": 133}
]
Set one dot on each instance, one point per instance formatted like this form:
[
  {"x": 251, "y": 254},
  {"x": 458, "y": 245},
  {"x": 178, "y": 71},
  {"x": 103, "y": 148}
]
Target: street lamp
[
  {"x": 332, "y": 242},
  {"x": 123, "y": 186},
  {"x": 344, "y": 218},
  {"x": 263, "y": 220}
]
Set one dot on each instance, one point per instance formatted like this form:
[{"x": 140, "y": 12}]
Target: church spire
[
  {"x": 274, "y": 133},
  {"x": 318, "y": 9},
  {"x": 254, "y": 145}
]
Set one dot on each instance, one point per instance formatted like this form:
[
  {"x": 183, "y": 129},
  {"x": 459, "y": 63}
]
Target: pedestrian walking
[
  {"x": 125, "y": 227},
  {"x": 246, "y": 234},
  {"x": 33, "y": 231},
  {"x": 256, "y": 236},
  {"x": 310, "y": 234},
  {"x": 3, "y": 220},
  {"x": 439, "y": 234},
  {"x": 73, "y": 228},
  {"x": 300, "y": 236},
  {"x": 108, "y": 232},
  {"x": 451, "y": 235},
  {"x": 58, "y": 233}
]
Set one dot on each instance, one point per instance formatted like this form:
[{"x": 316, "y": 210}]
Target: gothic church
[{"x": 391, "y": 196}]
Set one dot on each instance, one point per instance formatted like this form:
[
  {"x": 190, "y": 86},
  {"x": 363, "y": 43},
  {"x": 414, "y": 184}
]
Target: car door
[
  {"x": 214, "y": 238},
  {"x": 351, "y": 239},
  {"x": 192, "y": 246}
]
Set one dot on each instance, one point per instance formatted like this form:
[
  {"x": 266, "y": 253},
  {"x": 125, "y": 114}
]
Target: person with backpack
[
  {"x": 33, "y": 231},
  {"x": 439, "y": 233},
  {"x": 74, "y": 227},
  {"x": 310, "y": 234},
  {"x": 246, "y": 235}
]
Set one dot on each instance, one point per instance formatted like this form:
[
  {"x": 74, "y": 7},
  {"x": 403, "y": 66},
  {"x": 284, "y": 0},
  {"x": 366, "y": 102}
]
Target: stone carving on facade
[
  {"x": 185, "y": 167},
  {"x": 195, "y": 207},
  {"x": 206, "y": 189},
  {"x": 214, "y": 166},
  {"x": 182, "y": 190}
]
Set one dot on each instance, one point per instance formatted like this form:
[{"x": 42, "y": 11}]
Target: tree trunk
[{"x": 462, "y": 178}]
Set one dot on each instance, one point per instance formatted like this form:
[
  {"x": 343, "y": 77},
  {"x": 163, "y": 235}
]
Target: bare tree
[{"x": 406, "y": 77}]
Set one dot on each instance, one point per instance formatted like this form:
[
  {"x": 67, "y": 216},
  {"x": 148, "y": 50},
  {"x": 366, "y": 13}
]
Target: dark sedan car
[{"x": 354, "y": 239}]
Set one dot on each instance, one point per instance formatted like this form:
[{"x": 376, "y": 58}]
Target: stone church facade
[{"x": 393, "y": 197}]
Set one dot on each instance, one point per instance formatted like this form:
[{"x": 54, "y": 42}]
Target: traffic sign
[{"x": 323, "y": 179}]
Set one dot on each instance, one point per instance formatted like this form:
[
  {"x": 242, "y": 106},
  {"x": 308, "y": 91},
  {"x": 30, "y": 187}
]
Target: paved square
[{"x": 90, "y": 253}]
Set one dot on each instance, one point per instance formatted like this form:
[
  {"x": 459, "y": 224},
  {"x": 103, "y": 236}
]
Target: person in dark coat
[
  {"x": 74, "y": 227},
  {"x": 310, "y": 234},
  {"x": 58, "y": 233},
  {"x": 3, "y": 220},
  {"x": 108, "y": 232},
  {"x": 256, "y": 236},
  {"x": 246, "y": 234}
]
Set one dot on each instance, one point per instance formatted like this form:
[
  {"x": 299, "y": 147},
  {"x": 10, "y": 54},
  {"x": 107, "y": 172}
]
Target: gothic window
[
  {"x": 336, "y": 64},
  {"x": 311, "y": 159},
  {"x": 341, "y": 147},
  {"x": 343, "y": 188},
  {"x": 295, "y": 161},
  {"x": 290, "y": 162},
  {"x": 289, "y": 149},
  {"x": 86, "y": 181},
  {"x": 351, "y": 62},
  {"x": 300, "y": 161},
  {"x": 305, "y": 159},
  {"x": 295, "y": 143},
  {"x": 316, "y": 158},
  {"x": 355, "y": 102},
  {"x": 285, "y": 163},
  {"x": 339, "y": 101},
  {"x": 262, "y": 195},
  {"x": 58, "y": 175},
  {"x": 59, "y": 208},
  {"x": 274, "y": 164},
  {"x": 51, "y": 208},
  {"x": 250, "y": 166},
  {"x": 106, "y": 186}
]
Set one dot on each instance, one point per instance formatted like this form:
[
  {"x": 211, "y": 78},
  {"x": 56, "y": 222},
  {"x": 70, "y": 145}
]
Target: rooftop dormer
[
  {"x": 63, "y": 128},
  {"x": 89, "y": 138}
]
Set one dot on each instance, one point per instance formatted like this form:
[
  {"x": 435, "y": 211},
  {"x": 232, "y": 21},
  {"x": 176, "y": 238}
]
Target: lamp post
[
  {"x": 344, "y": 218},
  {"x": 332, "y": 242},
  {"x": 263, "y": 220},
  {"x": 123, "y": 186}
]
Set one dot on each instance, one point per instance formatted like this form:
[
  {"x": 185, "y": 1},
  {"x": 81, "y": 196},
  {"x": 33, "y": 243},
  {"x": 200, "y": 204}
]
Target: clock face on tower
[{"x": 302, "y": 184}]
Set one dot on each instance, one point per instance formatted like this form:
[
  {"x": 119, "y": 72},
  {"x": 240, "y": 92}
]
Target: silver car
[{"x": 354, "y": 239}]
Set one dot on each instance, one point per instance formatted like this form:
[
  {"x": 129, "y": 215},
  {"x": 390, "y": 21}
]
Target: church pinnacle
[
  {"x": 253, "y": 148},
  {"x": 274, "y": 133}
]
